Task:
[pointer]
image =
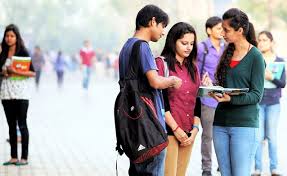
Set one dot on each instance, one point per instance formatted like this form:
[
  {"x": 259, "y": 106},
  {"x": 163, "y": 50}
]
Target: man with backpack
[
  {"x": 209, "y": 53},
  {"x": 150, "y": 24}
]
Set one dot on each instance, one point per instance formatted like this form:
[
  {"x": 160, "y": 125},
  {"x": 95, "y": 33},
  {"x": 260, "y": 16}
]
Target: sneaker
[
  {"x": 206, "y": 173},
  {"x": 275, "y": 172},
  {"x": 256, "y": 173}
]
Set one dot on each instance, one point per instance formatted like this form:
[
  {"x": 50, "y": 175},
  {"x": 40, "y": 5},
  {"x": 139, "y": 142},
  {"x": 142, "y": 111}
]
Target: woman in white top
[{"x": 15, "y": 91}]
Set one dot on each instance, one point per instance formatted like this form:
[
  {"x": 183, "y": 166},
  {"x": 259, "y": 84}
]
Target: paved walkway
[{"x": 72, "y": 133}]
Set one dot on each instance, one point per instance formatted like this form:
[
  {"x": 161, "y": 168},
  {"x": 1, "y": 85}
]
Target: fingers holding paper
[{"x": 220, "y": 97}]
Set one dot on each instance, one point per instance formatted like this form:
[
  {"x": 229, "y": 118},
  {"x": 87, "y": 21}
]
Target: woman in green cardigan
[{"x": 235, "y": 131}]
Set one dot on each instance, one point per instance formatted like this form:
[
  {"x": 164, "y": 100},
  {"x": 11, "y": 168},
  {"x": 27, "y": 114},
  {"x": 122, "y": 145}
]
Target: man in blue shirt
[
  {"x": 209, "y": 53},
  {"x": 150, "y": 24}
]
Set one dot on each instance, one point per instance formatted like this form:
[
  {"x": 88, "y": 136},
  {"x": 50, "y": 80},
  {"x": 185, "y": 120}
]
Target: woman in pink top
[{"x": 180, "y": 53}]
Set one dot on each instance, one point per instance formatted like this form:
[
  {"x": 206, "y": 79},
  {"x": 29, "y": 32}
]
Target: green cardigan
[{"x": 242, "y": 110}]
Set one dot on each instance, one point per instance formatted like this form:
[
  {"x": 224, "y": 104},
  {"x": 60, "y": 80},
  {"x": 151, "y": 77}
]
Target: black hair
[
  {"x": 147, "y": 13},
  {"x": 176, "y": 32},
  {"x": 237, "y": 19},
  {"x": 5, "y": 48},
  {"x": 211, "y": 22},
  {"x": 268, "y": 34}
]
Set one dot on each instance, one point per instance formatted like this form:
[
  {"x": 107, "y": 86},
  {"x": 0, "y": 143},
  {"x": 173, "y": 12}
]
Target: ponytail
[{"x": 250, "y": 37}]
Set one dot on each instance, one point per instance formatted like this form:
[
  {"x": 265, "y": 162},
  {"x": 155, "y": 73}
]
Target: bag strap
[
  {"x": 134, "y": 66},
  {"x": 165, "y": 67},
  {"x": 118, "y": 139},
  {"x": 204, "y": 58}
]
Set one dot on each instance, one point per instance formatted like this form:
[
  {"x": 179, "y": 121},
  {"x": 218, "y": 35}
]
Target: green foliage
[
  {"x": 64, "y": 24},
  {"x": 257, "y": 8},
  {"x": 281, "y": 11}
]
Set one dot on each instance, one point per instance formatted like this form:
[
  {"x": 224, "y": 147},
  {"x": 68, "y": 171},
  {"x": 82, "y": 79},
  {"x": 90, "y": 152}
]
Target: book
[
  {"x": 277, "y": 69},
  {"x": 204, "y": 91},
  {"x": 21, "y": 64}
]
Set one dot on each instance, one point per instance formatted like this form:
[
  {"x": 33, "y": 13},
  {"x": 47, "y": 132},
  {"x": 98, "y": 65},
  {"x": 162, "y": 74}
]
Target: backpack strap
[
  {"x": 165, "y": 67},
  {"x": 118, "y": 143},
  {"x": 204, "y": 58},
  {"x": 134, "y": 67}
]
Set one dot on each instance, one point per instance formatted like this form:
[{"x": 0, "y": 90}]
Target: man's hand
[
  {"x": 206, "y": 81},
  {"x": 177, "y": 82}
]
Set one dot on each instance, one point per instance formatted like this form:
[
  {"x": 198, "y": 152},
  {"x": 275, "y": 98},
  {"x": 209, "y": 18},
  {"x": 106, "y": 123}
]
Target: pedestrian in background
[
  {"x": 269, "y": 109},
  {"x": 15, "y": 92},
  {"x": 38, "y": 63},
  {"x": 209, "y": 53},
  {"x": 87, "y": 56},
  {"x": 59, "y": 66}
]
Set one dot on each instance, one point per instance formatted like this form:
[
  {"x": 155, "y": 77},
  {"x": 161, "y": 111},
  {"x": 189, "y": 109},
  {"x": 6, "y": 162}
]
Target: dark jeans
[
  {"x": 152, "y": 167},
  {"x": 37, "y": 78},
  {"x": 16, "y": 112},
  {"x": 60, "y": 78}
]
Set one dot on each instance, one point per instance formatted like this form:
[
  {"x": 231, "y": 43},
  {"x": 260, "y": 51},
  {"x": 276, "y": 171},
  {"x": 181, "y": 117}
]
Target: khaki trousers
[{"x": 177, "y": 158}]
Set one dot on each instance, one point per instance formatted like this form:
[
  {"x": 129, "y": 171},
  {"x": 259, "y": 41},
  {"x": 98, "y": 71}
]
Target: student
[
  {"x": 180, "y": 53},
  {"x": 150, "y": 24},
  {"x": 235, "y": 130},
  {"x": 38, "y": 62},
  {"x": 60, "y": 65},
  {"x": 15, "y": 93},
  {"x": 269, "y": 109},
  {"x": 209, "y": 53},
  {"x": 87, "y": 56}
]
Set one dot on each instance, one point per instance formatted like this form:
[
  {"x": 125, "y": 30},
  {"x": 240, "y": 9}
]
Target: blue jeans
[
  {"x": 152, "y": 167},
  {"x": 235, "y": 149},
  {"x": 268, "y": 122},
  {"x": 87, "y": 75}
]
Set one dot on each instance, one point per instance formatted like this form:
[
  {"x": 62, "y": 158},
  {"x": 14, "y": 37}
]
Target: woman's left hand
[
  {"x": 191, "y": 139},
  {"x": 268, "y": 75},
  {"x": 11, "y": 70},
  {"x": 220, "y": 98}
]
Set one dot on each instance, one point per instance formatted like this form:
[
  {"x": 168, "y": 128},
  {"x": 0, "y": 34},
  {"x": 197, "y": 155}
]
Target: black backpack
[{"x": 139, "y": 133}]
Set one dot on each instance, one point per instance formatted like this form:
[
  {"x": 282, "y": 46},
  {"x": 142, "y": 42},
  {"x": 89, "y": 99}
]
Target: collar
[{"x": 210, "y": 45}]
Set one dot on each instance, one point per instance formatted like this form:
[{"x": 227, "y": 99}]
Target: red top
[
  {"x": 182, "y": 100},
  {"x": 87, "y": 56},
  {"x": 233, "y": 63}
]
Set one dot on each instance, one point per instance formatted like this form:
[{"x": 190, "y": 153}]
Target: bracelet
[
  {"x": 175, "y": 129},
  {"x": 195, "y": 126}
]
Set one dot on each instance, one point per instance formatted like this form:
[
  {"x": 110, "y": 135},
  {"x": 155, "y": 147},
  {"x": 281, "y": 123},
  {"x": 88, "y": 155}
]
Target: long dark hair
[
  {"x": 237, "y": 19},
  {"x": 5, "y": 48},
  {"x": 169, "y": 51}
]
